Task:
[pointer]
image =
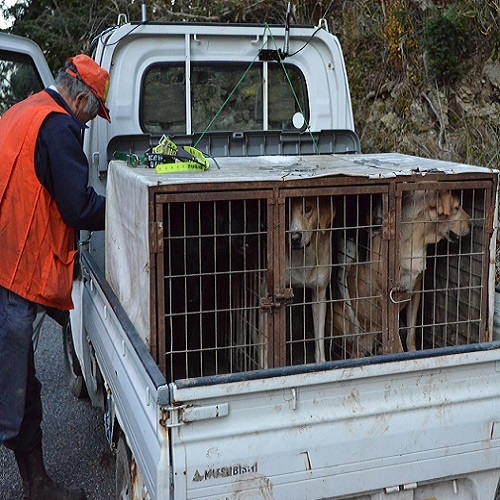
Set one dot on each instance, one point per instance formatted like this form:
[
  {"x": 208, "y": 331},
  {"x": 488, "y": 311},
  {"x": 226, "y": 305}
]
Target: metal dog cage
[
  {"x": 453, "y": 288},
  {"x": 220, "y": 297}
]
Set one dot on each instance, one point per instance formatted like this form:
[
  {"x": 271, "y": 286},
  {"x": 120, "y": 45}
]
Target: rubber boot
[
  {"x": 36, "y": 482},
  {"x": 24, "y": 474}
]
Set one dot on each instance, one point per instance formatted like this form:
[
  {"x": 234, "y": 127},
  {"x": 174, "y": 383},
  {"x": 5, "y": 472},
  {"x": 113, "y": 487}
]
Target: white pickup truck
[{"x": 223, "y": 369}]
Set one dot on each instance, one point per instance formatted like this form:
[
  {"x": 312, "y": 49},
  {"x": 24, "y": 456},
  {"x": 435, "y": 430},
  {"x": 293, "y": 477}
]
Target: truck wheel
[
  {"x": 123, "y": 474},
  {"x": 72, "y": 365}
]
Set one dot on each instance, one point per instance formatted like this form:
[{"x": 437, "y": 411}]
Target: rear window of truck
[
  {"x": 19, "y": 78},
  {"x": 242, "y": 90}
]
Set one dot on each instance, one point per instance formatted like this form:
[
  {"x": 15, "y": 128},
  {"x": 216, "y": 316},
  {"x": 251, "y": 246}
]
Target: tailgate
[{"x": 359, "y": 426}]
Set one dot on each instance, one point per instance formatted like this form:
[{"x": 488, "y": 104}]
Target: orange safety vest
[{"x": 36, "y": 246}]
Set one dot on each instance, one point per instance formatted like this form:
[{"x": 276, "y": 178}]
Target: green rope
[
  {"x": 243, "y": 76},
  {"x": 308, "y": 127},
  {"x": 231, "y": 94}
]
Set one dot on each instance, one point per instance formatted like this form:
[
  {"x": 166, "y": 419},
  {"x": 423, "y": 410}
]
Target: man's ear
[{"x": 82, "y": 96}]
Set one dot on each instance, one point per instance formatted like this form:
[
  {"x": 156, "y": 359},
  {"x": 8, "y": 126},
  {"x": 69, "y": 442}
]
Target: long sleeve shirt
[{"x": 63, "y": 170}]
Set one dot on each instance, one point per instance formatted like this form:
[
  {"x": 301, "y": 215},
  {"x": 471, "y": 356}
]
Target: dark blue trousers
[{"x": 20, "y": 401}]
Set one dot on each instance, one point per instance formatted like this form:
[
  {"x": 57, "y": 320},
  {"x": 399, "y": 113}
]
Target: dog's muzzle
[{"x": 453, "y": 237}]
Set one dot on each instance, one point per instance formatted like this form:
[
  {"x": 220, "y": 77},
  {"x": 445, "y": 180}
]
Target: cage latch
[
  {"x": 399, "y": 292},
  {"x": 285, "y": 297},
  {"x": 280, "y": 299}
]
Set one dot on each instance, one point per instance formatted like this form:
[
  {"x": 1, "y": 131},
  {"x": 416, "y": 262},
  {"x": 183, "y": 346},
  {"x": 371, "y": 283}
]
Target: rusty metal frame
[
  {"x": 464, "y": 182},
  {"x": 164, "y": 195},
  {"x": 326, "y": 187},
  {"x": 275, "y": 194}
]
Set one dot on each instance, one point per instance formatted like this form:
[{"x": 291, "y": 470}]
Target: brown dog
[
  {"x": 437, "y": 216},
  {"x": 308, "y": 264},
  {"x": 309, "y": 257},
  {"x": 427, "y": 217}
]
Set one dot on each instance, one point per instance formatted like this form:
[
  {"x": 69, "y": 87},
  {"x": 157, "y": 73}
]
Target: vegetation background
[{"x": 424, "y": 74}]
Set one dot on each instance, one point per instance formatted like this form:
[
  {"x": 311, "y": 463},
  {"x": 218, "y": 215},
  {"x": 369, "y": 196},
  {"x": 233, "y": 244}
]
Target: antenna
[
  {"x": 143, "y": 11},
  {"x": 280, "y": 54},
  {"x": 284, "y": 52}
]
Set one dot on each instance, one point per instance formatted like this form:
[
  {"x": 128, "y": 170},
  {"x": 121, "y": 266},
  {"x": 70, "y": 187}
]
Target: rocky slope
[{"x": 458, "y": 123}]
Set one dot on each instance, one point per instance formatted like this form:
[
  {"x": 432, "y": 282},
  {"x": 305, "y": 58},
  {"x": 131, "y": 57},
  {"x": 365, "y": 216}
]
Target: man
[{"x": 44, "y": 197}]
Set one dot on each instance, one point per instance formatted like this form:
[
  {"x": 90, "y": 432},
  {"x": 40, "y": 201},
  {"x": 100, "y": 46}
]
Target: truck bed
[{"x": 389, "y": 423}]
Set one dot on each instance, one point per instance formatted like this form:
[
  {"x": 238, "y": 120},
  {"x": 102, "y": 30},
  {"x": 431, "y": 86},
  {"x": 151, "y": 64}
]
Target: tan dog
[
  {"x": 309, "y": 257},
  {"x": 427, "y": 217},
  {"x": 308, "y": 264},
  {"x": 437, "y": 216}
]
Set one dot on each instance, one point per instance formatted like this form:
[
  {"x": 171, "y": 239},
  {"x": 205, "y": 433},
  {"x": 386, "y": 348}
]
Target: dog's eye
[{"x": 307, "y": 208}]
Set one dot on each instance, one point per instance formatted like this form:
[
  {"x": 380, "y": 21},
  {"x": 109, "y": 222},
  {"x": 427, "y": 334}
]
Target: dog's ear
[
  {"x": 444, "y": 203},
  {"x": 327, "y": 214}
]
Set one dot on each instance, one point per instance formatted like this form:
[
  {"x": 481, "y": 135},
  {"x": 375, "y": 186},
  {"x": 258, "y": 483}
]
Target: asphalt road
[{"x": 76, "y": 451}]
